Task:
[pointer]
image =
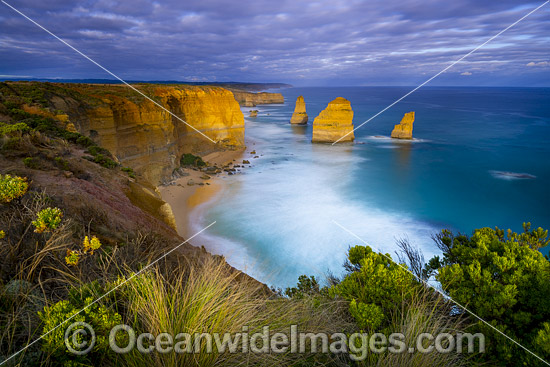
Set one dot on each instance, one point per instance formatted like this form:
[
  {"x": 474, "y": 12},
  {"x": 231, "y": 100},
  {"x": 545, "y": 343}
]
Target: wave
[{"x": 510, "y": 176}]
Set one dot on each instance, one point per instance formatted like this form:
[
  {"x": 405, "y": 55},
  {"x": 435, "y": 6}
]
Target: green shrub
[
  {"x": 30, "y": 162},
  {"x": 12, "y": 188},
  {"x": 47, "y": 220},
  {"x": 8, "y": 129},
  {"x": 101, "y": 318},
  {"x": 504, "y": 280},
  {"x": 61, "y": 163},
  {"x": 129, "y": 171},
  {"x": 105, "y": 161},
  {"x": 374, "y": 287},
  {"x": 189, "y": 159}
]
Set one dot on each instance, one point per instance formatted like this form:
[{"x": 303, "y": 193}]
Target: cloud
[
  {"x": 541, "y": 63},
  {"x": 466, "y": 73},
  {"x": 346, "y": 42}
]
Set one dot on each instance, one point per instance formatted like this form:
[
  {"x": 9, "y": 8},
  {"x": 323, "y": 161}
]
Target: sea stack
[
  {"x": 404, "y": 130},
  {"x": 253, "y": 113},
  {"x": 299, "y": 117},
  {"x": 334, "y": 123}
]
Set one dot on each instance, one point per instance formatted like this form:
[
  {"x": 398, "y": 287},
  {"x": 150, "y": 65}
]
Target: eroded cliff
[
  {"x": 249, "y": 99},
  {"x": 334, "y": 122},
  {"x": 142, "y": 135}
]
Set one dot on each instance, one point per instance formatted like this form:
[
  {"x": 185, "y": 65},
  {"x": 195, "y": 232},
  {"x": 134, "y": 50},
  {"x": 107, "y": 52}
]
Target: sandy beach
[{"x": 186, "y": 193}]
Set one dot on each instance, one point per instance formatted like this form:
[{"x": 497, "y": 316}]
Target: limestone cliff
[
  {"x": 404, "y": 129},
  {"x": 249, "y": 99},
  {"x": 145, "y": 137},
  {"x": 299, "y": 117},
  {"x": 334, "y": 122}
]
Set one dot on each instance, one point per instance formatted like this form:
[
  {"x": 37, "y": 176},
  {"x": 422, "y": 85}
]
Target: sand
[{"x": 185, "y": 199}]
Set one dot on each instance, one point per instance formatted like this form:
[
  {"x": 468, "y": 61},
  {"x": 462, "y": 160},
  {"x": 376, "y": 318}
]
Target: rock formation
[
  {"x": 334, "y": 122},
  {"x": 404, "y": 130},
  {"x": 145, "y": 137},
  {"x": 253, "y": 113},
  {"x": 248, "y": 99},
  {"x": 299, "y": 117}
]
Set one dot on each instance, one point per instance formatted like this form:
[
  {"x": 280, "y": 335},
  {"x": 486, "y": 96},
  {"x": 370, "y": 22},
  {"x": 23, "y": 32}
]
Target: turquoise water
[{"x": 276, "y": 220}]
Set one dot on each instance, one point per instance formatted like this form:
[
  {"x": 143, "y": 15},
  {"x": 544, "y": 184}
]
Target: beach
[{"x": 185, "y": 198}]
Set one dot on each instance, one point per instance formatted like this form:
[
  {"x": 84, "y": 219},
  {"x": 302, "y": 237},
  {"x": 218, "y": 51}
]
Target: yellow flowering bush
[
  {"x": 12, "y": 187},
  {"x": 88, "y": 247},
  {"x": 72, "y": 258},
  {"x": 47, "y": 220},
  {"x": 91, "y": 245}
]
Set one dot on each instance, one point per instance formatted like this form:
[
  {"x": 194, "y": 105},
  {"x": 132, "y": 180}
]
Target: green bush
[
  {"x": 8, "y": 129},
  {"x": 189, "y": 159},
  {"x": 47, "y": 220},
  {"x": 12, "y": 187},
  {"x": 504, "y": 280},
  {"x": 30, "y": 162},
  {"x": 129, "y": 171},
  {"x": 101, "y": 318},
  {"x": 374, "y": 287},
  {"x": 61, "y": 163},
  {"x": 105, "y": 161}
]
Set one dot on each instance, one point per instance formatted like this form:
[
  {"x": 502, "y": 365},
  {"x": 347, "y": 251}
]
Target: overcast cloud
[{"x": 347, "y": 42}]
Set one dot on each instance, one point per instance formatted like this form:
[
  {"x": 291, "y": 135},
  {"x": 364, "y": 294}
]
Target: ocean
[{"x": 480, "y": 158}]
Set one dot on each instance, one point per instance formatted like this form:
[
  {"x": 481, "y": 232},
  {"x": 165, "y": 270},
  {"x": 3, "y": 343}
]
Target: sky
[{"x": 304, "y": 43}]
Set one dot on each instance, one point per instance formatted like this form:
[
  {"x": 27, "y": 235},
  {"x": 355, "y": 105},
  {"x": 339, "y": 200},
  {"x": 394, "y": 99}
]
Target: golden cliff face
[
  {"x": 404, "y": 130},
  {"x": 334, "y": 122},
  {"x": 249, "y": 99},
  {"x": 299, "y": 117},
  {"x": 145, "y": 137}
]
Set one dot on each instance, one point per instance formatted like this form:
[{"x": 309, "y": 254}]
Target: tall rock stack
[
  {"x": 404, "y": 130},
  {"x": 334, "y": 122},
  {"x": 299, "y": 117}
]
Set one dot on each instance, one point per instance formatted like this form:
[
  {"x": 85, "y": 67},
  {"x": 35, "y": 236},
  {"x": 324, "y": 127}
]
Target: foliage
[
  {"x": 374, "y": 287},
  {"x": 72, "y": 258},
  {"x": 2, "y": 234},
  {"x": 30, "y": 162},
  {"x": 505, "y": 281},
  {"x": 61, "y": 163},
  {"x": 91, "y": 245},
  {"x": 101, "y": 318},
  {"x": 189, "y": 159},
  {"x": 9, "y": 129},
  {"x": 47, "y": 220},
  {"x": 129, "y": 171},
  {"x": 12, "y": 187},
  {"x": 307, "y": 286}
]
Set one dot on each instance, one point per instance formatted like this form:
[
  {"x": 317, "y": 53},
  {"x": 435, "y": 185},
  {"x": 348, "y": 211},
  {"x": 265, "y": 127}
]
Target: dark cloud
[{"x": 302, "y": 42}]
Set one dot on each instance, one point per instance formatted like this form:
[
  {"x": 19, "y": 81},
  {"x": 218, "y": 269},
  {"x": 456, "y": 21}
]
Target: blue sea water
[{"x": 279, "y": 218}]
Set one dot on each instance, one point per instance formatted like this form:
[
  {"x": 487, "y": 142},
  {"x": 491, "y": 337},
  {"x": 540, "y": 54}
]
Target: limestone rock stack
[
  {"x": 334, "y": 122},
  {"x": 404, "y": 130},
  {"x": 299, "y": 117}
]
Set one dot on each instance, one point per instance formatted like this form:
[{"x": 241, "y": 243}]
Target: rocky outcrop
[
  {"x": 248, "y": 99},
  {"x": 253, "y": 113},
  {"x": 147, "y": 138},
  {"x": 404, "y": 130},
  {"x": 299, "y": 117},
  {"x": 334, "y": 122}
]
